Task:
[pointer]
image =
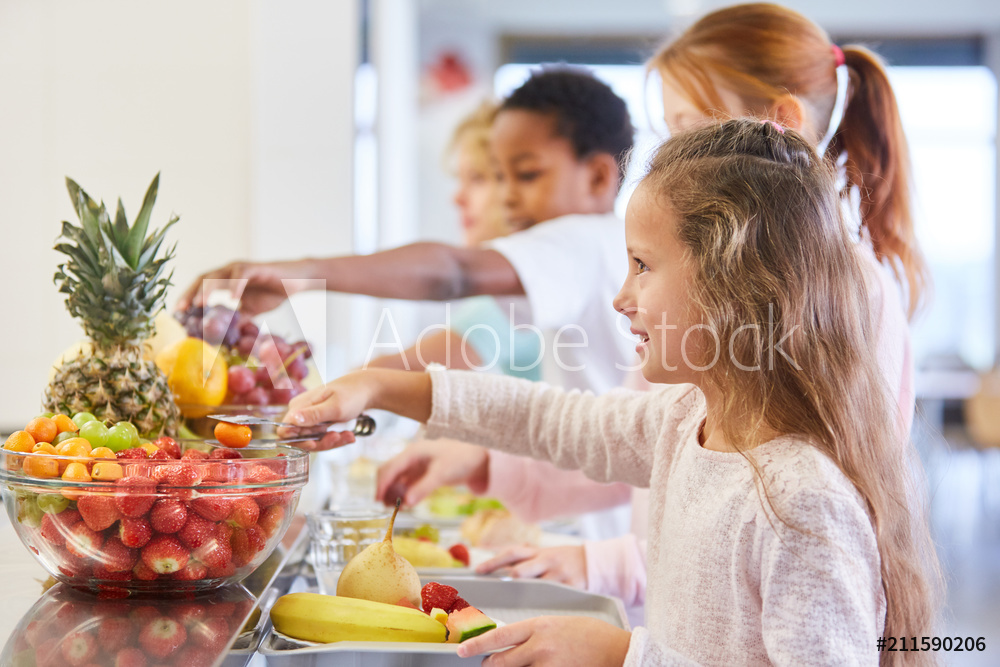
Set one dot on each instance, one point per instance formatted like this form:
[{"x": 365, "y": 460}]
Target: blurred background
[{"x": 309, "y": 128}]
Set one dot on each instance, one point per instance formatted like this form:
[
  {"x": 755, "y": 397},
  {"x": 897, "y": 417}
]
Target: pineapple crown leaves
[{"x": 114, "y": 273}]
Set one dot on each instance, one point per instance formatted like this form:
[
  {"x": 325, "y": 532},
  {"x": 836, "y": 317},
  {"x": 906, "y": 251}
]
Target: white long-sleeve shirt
[{"x": 728, "y": 582}]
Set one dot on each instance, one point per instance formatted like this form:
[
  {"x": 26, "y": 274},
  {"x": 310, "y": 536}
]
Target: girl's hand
[
  {"x": 341, "y": 400},
  {"x": 552, "y": 641},
  {"x": 428, "y": 464},
  {"x": 260, "y": 286},
  {"x": 567, "y": 565}
]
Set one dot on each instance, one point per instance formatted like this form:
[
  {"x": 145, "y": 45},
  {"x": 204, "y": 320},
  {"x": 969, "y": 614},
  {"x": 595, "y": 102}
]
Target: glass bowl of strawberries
[{"x": 166, "y": 517}]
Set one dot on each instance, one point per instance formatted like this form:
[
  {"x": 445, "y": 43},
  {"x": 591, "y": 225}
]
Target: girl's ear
[
  {"x": 603, "y": 168},
  {"x": 789, "y": 112}
]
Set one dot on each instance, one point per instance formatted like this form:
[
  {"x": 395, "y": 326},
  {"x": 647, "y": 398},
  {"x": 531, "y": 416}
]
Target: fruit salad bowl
[{"x": 139, "y": 524}]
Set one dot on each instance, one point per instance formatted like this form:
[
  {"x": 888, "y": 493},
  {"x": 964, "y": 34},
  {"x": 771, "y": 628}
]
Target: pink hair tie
[
  {"x": 773, "y": 124},
  {"x": 838, "y": 55}
]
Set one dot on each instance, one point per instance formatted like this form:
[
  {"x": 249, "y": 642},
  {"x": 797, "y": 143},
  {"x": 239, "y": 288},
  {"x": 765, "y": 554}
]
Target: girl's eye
[
  {"x": 640, "y": 267},
  {"x": 528, "y": 176}
]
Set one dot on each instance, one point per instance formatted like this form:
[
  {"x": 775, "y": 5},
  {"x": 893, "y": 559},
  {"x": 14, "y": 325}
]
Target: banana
[{"x": 331, "y": 618}]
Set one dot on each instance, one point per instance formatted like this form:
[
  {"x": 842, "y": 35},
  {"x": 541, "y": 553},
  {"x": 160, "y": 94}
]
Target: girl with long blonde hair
[{"x": 785, "y": 525}]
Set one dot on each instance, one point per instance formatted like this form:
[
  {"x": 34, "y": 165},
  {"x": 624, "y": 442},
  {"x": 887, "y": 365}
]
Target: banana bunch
[{"x": 330, "y": 618}]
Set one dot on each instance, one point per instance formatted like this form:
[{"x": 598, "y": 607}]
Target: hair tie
[
  {"x": 773, "y": 124},
  {"x": 838, "y": 55}
]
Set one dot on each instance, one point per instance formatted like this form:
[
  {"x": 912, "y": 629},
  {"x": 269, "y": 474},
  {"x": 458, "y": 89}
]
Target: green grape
[
  {"x": 28, "y": 512},
  {"x": 47, "y": 415},
  {"x": 119, "y": 437},
  {"x": 131, "y": 429},
  {"x": 81, "y": 418},
  {"x": 65, "y": 435},
  {"x": 95, "y": 433},
  {"x": 52, "y": 503}
]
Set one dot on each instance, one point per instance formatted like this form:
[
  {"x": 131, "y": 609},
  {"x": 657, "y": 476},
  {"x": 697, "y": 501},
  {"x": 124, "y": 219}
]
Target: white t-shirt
[{"x": 571, "y": 268}]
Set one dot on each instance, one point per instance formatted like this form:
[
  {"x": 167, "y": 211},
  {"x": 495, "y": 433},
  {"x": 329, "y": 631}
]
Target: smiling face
[
  {"x": 538, "y": 173},
  {"x": 655, "y": 295}
]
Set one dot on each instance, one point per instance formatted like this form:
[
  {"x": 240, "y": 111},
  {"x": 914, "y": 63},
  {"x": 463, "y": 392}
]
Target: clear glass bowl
[
  {"x": 66, "y": 627},
  {"x": 167, "y": 526}
]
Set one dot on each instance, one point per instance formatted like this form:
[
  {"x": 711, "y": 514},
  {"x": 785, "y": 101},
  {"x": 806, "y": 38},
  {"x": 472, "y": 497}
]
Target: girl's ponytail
[{"x": 871, "y": 133}]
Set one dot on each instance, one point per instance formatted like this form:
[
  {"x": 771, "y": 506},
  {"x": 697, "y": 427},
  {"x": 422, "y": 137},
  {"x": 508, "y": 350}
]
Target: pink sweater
[
  {"x": 617, "y": 567},
  {"x": 729, "y": 583}
]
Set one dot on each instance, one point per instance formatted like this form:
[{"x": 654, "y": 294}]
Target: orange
[
  {"x": 197, "y": 374},
  {"x": 42, "y": 429},
  {"x": 149, "y": 447},
  {"x": 106, "y": 471},
  {"x": 43, "y": 448},
  {"x": 74, "y": 447},
  {"x": 76, "y": 472},
  {"x": 102, "y": 453},
  {"x": 40, "y": 466},
  {"x": 19, "y": 441},
  {"x": 233, "y": 435},
  {"x": 64, "y": 424}
]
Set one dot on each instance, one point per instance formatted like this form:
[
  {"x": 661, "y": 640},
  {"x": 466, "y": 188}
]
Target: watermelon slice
[{"x": 467, "y": 623}]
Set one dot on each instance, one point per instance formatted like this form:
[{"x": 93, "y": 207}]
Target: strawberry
[
  {"x": 83, "y": 542},
  {"x": 245, "y": 513},
  {"x": 130, "y": 657},
  {"x": 437, "y": 595},
  {"x": 192, "y": 656},
  {"x": 265, "y": 476},
  {"x": 102, "y": 572},
  {"x": 140, "y": 616},
  {"x": 160, "y": 455},
  {"x": 193, "y": 571},
  {"x": 168, "y": 515},
  {"x": 195, "y": 454},
  {"x": 211, "y": 634},
  {"x": 52, "y": 529},
  {"x": 212, "y": 506},
  {"x": 223, "y": 572},
  {"x": 183, "y": 474},
  {"x": 135, "y": 533},
  {"x": 271, "y": 519},
  {"x": 189, "y": 613},
  {"x": 168, "y": 445},
  {"x": 142, "y": 572},
  {"x": 224, "y": 609},
  {"x": 214, "y": 553},
  {"x": 196, "y": 532},
  {"x": 116, "y": 557},
  {"x": 47, "y": 654},
  {"x": 164, "y": 554},
  {"x": 460, "y": 553},
  {"x": 98, "y": 511},
  {"x": 132, "y": 453},
  {"x": 78, "y": 648},
  {"x": 246, "y": 542},
  {"x": 458, "y": 605},
  {"x": 224, "y": 453},
  {"x": 114, "y": 634},
  {"x": 162, "y": 636},
  {"x": 135, "y": 495}
]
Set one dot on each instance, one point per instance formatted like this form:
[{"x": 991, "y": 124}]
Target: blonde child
[{"x": 781, "y": 525}]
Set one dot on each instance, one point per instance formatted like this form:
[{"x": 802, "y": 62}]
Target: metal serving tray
[{"x": 506, "y": 601}]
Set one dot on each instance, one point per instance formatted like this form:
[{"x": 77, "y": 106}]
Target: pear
[{"x": 379, "y": 574}]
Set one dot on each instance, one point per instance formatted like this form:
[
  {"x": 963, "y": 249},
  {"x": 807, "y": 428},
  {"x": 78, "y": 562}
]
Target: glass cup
[{"x": 337, "y": 535}]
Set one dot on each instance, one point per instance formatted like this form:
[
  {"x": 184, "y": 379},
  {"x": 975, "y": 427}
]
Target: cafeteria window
[{"x": 950, "y": 118}]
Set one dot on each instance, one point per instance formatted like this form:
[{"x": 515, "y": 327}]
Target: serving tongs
[{"x": 363, "y": 425}]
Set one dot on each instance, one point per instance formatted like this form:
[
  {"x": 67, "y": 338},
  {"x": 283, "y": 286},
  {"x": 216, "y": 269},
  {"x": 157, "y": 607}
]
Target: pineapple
[{"x": 114, "y": 282}]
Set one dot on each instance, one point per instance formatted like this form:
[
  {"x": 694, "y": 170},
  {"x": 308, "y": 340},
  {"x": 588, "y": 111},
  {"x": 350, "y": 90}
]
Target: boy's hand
[
  {"x": 552, "y": 641},
  {"x": 567, "y": 565},
  {"x": 258, "y": 285},
  {"x": 339, "y": 401},
  {"x": 428, "y": 464}
]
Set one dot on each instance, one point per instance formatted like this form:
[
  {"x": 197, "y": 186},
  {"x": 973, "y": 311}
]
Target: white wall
[{"x": 244, "y": 107}]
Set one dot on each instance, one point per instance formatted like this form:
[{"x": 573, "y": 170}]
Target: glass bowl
[
  {"x": 68, "y": 627},
  {"x": 166, "y": 526},
  {"x": 197, "y": 421}
]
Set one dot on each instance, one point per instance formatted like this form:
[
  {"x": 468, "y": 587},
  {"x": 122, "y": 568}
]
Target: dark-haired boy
[{"x": 560, "y": 141}]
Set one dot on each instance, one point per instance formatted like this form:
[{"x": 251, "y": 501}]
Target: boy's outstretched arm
[{"x": 419, "y": 271}]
